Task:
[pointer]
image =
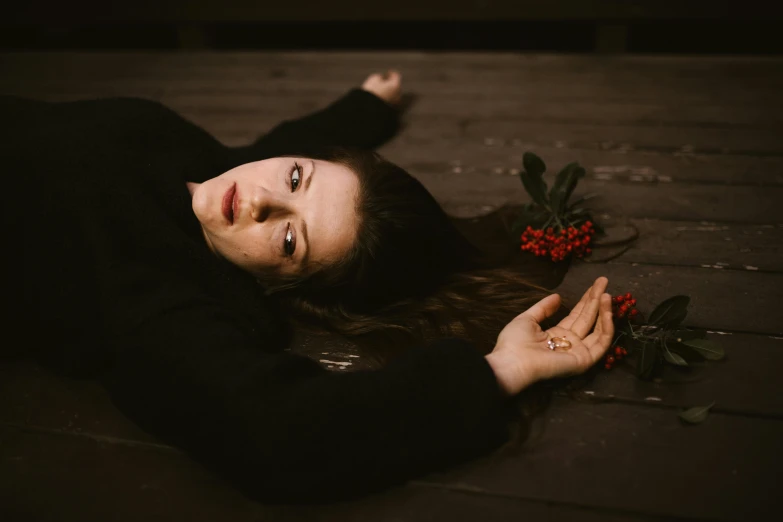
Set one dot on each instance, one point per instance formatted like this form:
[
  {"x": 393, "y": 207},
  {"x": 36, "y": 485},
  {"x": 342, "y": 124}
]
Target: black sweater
[{"x": 119, "y": 284}]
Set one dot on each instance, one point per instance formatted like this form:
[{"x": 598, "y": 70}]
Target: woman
[{"x": 167, "y": 265}]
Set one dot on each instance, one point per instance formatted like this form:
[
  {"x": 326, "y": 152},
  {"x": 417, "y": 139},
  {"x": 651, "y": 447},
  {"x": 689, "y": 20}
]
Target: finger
[
  {"x": 544, "y": 308},
  {"x": 601, "y": 339},
  {"x": 568, "y": 321},
  {"x": 586, "y": 320},
  {"x": 572, "y": 317},
  {"x": 599, "y": 324},
  {"x": 577, "y": 310}
]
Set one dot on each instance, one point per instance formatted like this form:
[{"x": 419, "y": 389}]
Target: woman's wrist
[{"x": 512, "y": 376}]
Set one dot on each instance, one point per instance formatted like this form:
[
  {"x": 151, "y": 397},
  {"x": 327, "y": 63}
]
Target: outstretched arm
[
  {"x": 364, "y": 117},
  {"x": 283, "y": 429}
]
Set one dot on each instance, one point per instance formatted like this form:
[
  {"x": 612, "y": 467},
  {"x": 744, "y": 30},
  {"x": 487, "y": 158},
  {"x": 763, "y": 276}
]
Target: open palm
[{"x": 522, "y": 344}]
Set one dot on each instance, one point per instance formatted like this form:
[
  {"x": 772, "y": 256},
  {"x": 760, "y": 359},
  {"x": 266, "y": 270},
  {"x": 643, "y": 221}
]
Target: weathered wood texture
[
  {"x": 98, "y": 481},
  {"x": 688, "y": 150}
]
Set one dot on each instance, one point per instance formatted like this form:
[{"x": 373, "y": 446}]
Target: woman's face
[{"x": 279, "y": 216}]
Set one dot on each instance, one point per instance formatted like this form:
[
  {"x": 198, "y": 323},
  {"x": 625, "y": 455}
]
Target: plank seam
[
  {"x": 474, "y": 490},
  {"x": 732, "y": 412}
]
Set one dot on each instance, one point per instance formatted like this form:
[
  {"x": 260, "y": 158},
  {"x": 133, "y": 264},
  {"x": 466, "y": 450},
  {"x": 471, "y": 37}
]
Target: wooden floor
[{"x": 689, "y": 149}]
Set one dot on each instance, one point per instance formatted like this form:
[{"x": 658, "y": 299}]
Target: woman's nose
[{"x": 265, "y": 203}]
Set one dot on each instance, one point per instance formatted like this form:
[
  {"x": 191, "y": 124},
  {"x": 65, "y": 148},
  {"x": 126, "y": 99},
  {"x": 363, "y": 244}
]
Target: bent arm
[
  {"x": 357, "y": 119},
  {"x": 283, "y": 429}
]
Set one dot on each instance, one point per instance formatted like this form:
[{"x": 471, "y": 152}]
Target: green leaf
[
  {"x": 686, "y": 352},
  {"x": 647, "y": 360},
  {"x": 670, "y": 312},
  {"x": 695, "y": 415},
  {"x": 671, "y": 357},
  {"x": 534, "y": 165},
  {"x": 565, "y": 182},
  {"x": 582, "y": 199},
  {"x": 708, "y": 349},
  {"x": 535, "y": 186}
]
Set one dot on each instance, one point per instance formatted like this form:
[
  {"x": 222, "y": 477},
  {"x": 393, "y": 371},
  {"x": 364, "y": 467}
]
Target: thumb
[{"x": 546, "y": 307}]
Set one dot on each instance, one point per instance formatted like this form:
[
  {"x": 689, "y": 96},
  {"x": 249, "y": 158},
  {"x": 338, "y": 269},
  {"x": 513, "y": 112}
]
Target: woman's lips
[{"x": 230, "y": 204}]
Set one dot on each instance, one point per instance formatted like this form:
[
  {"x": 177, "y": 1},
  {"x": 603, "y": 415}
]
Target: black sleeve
[
  {"x": 357, "y": 119},
  {"x": 283, "y": 429}
]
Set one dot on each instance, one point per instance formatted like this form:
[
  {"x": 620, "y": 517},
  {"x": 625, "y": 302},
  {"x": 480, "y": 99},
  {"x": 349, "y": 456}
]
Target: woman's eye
[
  {"x": 289, "y": 245},
  {"x": 296, "y": 176}
]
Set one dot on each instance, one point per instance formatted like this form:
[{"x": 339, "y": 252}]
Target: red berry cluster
[
  {"x": 610, "y": 359},
  {"x": 560, "y": 245},
  {"x": 624, "y": 305}
]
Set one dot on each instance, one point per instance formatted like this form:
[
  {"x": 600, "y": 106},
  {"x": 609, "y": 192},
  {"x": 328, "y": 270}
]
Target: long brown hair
[
  {"x": 411, "y": 275},
  {"x": 411, "y": 272}
]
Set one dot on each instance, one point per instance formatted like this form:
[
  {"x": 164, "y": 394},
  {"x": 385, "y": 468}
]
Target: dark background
[{"x": 662, "y": 26}]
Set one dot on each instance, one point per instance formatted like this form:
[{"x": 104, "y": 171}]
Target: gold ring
[{"x": 559, "y": 342}]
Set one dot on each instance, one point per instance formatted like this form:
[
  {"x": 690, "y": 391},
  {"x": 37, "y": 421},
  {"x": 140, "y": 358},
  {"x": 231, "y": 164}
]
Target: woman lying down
[{"x": 170, "y": 267}]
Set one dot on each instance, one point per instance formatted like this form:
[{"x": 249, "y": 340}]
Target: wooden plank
[
  {"x": 640, "y": 458},
  {"x": 617, "y": 166},
  {"x": 690, "y": 141},
  {"x": 617, "y": 161},
  {"x": 746, "y": 382},
  {"x": 456, "y": 83},
  {"x": 731, "y": 80},
  {"x": 666, "y": 66},
  {"x": 649, "y": 113},
  {"x": 48, "y": 477},
  {"x": 720, "y": 299},
  {"x": 466, "y": 195},
  {"x": 704, "y": 244},
  {"x": 705, "y": 93},
  {"x": 636, "y": 113},
  {"x": 556, "y": 140}
]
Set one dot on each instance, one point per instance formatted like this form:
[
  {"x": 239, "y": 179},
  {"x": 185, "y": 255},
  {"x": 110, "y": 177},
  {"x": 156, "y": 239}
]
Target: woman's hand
[
  {"x": 385, "y": 86},
  {"x": 521, "y": 355}
]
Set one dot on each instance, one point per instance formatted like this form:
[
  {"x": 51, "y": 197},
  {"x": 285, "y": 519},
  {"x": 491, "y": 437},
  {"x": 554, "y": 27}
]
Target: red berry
[
  {"x": 628, "y": 296},
  {"x": 618, "y": 299},
  {"x": 633, "y": 313},
  {"x": 618, "y": 350},
  {"x": 610, "y": 359},
  {"x": 608, "y": 366},
  {"x": 632, "y": 302}
]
